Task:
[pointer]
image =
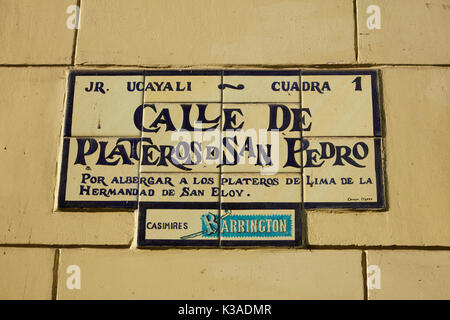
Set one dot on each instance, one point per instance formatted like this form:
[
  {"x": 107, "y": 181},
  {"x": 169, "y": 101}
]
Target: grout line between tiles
[
  {"x": 65, "y": 246},
  {"x": 219, "y": 224},
  {"x": 75, "y": 36},
  {"x": 355, "y": 20},
  {"x": 364, "y": 274},
  {"x": 219, "y": 238},
  {"x": 215, "y": 67},
  {"x": 136, "y": 211},
  {"x": 310, "y": 247},
  {"x": 55, "y": 274},
  {"x": 303, "y": 215}
]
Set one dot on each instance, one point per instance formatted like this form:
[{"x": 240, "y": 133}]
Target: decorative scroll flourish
[{"x": 226, "y": 85}]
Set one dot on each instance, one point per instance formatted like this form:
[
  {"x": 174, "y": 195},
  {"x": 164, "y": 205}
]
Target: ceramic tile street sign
[{"x": 221, "y": 157}]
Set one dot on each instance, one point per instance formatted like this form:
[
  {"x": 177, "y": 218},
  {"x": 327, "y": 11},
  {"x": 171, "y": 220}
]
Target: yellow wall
[{"x": 409, "y": 242}]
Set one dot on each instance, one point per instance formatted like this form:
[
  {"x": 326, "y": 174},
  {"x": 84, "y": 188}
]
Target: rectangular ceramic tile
[
  {"x": 259, "y": 188},
  {"x": 212, "y": 274},
  {"x": 408, "y": 274},
  {"x": 192, "y": 224},
  {"x": 181, "y": 137},
  {"x": 403, "y": 32},
  {"x": 104, "y": 103},
  {"x": 276, "y": 225},
  {"x": 340, "y": 103},
  {"x": 26, "y": 273},
  {"x": 342, "y": 173},
  {"x": 179, "y": 187},
  {"x": 216, "y": 32},
  {"x": 183, "y": 86},
  {"x": 261, "y": 86},
  {"x": 37, "y": 32},
  {"x": 99, "y": 172},
  {"x": 261, "y": 137}
]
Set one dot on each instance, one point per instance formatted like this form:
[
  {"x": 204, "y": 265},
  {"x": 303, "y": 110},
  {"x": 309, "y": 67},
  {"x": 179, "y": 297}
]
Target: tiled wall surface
[{"x": 401, "y": 252}]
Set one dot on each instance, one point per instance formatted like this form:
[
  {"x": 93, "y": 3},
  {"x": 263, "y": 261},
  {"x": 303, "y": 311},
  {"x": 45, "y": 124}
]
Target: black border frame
[
  {"x": 261, "y": 72},
  {"x": 217, "y": 243}
]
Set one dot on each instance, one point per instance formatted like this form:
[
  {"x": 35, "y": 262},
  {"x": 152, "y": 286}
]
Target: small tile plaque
[{"x": 222, "y": 157}]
